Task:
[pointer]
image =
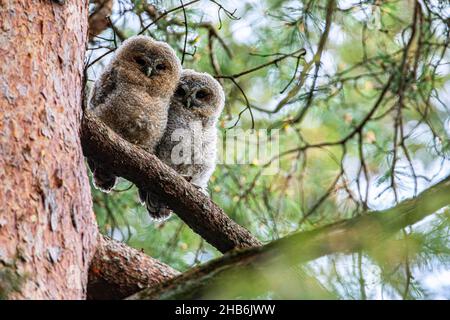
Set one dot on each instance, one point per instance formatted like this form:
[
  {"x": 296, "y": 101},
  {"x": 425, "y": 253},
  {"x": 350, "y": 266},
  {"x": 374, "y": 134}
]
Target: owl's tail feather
[
  {"x": 103, "y": 180},
  {"x": 156, "y": 209}
]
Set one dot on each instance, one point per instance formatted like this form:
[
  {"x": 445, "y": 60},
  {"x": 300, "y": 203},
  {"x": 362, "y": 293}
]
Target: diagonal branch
[
  {"x": 346, "y": 236},
  {"x": 145, "y": 170}
]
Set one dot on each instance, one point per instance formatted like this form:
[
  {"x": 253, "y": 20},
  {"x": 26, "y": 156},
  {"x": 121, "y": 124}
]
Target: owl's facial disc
[
  {"x": 150, "y": 67},
  {"x": 157, "y": 67},
  {"x": 144, "y": 65},
  {"x": 190, "y": 99}
]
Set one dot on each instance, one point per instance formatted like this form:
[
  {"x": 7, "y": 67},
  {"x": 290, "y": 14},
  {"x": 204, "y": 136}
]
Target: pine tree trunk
[{"x": 47, "y": 226}]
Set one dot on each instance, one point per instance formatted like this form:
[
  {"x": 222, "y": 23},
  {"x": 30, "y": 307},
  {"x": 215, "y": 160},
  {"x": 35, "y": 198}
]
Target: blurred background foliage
[{"x": 360, "y": 92}]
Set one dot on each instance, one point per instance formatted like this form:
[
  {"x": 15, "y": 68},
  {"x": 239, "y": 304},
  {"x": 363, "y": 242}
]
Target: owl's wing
[
  {"x": 103, "y": 87},
  {"x": 156, "y": 209}
]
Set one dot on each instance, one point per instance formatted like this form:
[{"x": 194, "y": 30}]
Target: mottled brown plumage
[
  {"x": 132, "y": 96},
  {"x": 194, "y": 111}
]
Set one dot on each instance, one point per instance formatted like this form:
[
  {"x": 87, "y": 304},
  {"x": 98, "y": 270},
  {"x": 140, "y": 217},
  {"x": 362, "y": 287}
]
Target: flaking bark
[{"x": 47, "y": 226}]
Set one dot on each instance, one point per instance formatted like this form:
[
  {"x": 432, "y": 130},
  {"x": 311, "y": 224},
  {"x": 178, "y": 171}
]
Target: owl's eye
[
  {"x": 140, "y": 61},
  {"x": 180, "y": 92},
  {"x": 202, "y": 94},
  {"x": 160, "y": 67}
]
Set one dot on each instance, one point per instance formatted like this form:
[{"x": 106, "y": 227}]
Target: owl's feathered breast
[
  {"x": 130, "y": 110},
  {"x": 184, "y": 127}
]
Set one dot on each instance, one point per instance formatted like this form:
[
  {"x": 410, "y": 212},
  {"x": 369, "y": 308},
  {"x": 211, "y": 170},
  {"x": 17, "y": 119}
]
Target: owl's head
[
  {"x": 200, "y": 94},
  {"x": 153, "y": 64}
]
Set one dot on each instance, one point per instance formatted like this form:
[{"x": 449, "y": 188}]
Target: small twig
[
  {"x": 114, "y": 31},
  {"x": 166, "y": 13},
  {"x": 185, "y": 32},
  {"x": 228, "y": 13},
  {"x": 248, "y": 107},
  {"x": 300, "y": 52}
]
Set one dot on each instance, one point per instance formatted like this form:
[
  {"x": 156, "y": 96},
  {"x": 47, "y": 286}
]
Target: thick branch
[
  {"x": 148, "y": 172},
  {"x": 117, "y": 271},
  {"x": 345, "y": 236}
]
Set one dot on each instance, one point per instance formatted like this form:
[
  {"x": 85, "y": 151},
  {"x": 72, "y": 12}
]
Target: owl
[
  {"x": 190, "y": 141},
  {"x": 132, "y": 96}
]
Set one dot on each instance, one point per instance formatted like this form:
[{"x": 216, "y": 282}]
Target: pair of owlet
[{"x": 146, "y": 97}]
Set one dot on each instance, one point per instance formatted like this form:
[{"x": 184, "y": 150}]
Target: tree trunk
[{"x": 47, "y": 227}]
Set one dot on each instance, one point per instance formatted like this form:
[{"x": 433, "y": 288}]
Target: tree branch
[
  {"x": 345, "y": 236},
  {"x": 165, "y": 13},
  {"x": 145, "y": 170},
  {"x": 116, "y": 271}
]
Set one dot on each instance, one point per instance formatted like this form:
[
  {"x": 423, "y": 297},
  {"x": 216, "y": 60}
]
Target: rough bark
[
  {"x": 47, "y": 227},
  {"x": 98, "y": 20},
  {"x": 118, "y": 271},
  {"x": 148, "y": 172},
  {"x": 351, "y": 235}
]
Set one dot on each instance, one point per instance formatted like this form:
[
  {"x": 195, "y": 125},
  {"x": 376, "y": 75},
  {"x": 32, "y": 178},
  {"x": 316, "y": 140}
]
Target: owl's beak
[
  {"x": 149, "y": 71},
  {"x": 188, "y": 102}
]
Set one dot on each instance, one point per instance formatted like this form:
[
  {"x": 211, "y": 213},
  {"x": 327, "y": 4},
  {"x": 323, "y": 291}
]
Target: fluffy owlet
[
  {"x": 190, "y": 140},
  {"x": 132, "y": 96}
]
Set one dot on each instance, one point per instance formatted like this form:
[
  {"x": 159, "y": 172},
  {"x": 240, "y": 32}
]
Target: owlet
[
  {"x": 190, "y": 140},
  {"x": 132, "y": 96}
]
